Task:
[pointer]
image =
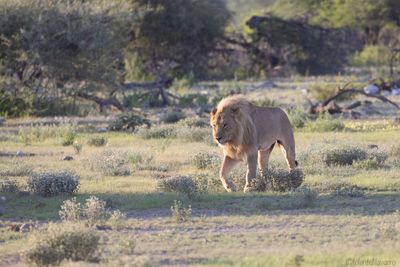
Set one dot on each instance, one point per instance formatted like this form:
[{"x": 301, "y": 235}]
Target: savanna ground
[{"x": 348, "y": 214}]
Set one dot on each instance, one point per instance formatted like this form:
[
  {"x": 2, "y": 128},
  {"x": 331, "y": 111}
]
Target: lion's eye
[{"x": 225, "y": 125}]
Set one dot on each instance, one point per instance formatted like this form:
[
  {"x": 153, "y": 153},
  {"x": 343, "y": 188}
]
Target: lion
[{"x": 245, "y": 131}]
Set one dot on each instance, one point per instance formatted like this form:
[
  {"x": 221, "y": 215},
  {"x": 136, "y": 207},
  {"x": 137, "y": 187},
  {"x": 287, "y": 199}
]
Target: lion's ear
[{"x": 213, "y": 112}]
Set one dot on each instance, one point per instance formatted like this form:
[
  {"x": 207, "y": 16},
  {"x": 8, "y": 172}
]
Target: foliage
[
  {"x": 44, "y": 60},
  {"x": 172, "y": 117},
  {"x": 178, "y": 33},
  {"x": 157, "y": 132},
  {"x": 77, "y": 147},
  {"x": 193, "y": 122},
  {"x": 49, "y": 184},
  {"x": 194, "y": 134},
  {"x": 297, "y": 117},
  {"x": 97, "y": 141},
  {"x": 343, "y": 155},
  {"x": 348, "y": 190},
  {"x": 205, "y": 160},
  {"x": 279, "y": 180},
  {"x": 111, "y": 162},
  {"x": 16, "y": 167},
  {"x": 93, "y": 212},
  {"x": 325, "y": 123},
  {"x": 305, "y": 197},
  {"x": 68, "y": 134},
  {"x": 185, "y": 185},
  {"x": 371, "y": 55},
  {"x": 8, "y": 186},
  {"x": 180, "y": 212},
  {"x": 60, "y": 242},
  {"x": 128, "y": 122}
]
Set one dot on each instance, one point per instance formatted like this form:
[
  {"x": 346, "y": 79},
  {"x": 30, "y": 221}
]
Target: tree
[
  {"x": 174, "y": 38},
  {"x": 52, "y": 48}
]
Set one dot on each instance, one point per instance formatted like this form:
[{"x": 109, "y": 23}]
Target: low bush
[
  {"x": 93, "y": 212},
  {"x": 298, "y": 118},
  {"x": 343, "y": 155},
  {"x": 206, "y": 160},
  {"x": 265, "y": 102},
  {"x": 395, "y": 151},
  {"x": 128, "y": 122},
  {"x": 172, "y": 117},
  {"x": 68, "y": 133},
  {"x": 325, "y": 123},
  {"x": 193, "y": 123},
  {"x": 373, "y": 161},
  {"x": 77, "y": 147},
  {"x": 348, "y": 190},
  {"x": 8, "y": 186},
  {"x": 279, "y": 180},
  {"x": 60, "y": 242},
  {"x": 304, "y": 197},
  {"x": 97, "y": 141},
  {"x": 16, "y": 167},
  {"x": 158, "y": 132},
  {"x": 180, "y": 212},
  {"x": 193, "y": 134},
  {"x": 180, "y": 184},
  {"x": 48, "y": 184},
  {"x": 111, "y": 162}
]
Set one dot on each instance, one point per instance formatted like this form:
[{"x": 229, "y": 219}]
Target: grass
[{"x": 340, "y": 213}]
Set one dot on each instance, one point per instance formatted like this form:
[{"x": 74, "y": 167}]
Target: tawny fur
[{"x": 249, "y": 132}]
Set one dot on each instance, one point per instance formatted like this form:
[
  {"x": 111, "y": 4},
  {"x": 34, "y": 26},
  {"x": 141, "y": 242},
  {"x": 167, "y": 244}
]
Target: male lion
[{"x": 246, "y": 131}]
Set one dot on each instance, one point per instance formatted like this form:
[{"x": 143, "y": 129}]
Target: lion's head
[{"x": 231, "y": 121}]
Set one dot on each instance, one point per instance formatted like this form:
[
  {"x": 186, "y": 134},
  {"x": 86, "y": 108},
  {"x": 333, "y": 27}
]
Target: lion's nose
[{"x": 218, "y": 138}]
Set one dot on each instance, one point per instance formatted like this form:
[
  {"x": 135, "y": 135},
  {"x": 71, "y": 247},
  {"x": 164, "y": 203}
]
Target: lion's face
[{"x": 224, "y": 125}]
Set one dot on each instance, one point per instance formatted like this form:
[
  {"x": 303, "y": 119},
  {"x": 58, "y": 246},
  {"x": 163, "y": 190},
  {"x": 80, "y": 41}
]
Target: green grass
[{"x": 225, "y": 229}]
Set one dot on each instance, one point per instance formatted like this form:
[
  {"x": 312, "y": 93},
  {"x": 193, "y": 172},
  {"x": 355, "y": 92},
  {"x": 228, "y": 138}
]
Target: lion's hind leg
[
  {"x": 289, "y": 153},
  {"x": 263, "y": 159}
]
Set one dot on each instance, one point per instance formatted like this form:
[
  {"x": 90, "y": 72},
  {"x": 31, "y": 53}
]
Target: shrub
[
  {"x": 8, "y": 186},
  {"x": 373, "y": 161},
  {"x": 206, "y": 160},
  {"x": 97, "y": 141},
  {"x": 395, "y": 151},
  {"x": 181, "y": 213},
  {"x": 179, "y": 184},
  {"x": 77, "y": 148},
  {"x": 48, "y": 184},
  {"x": 348, "y": 190},
  {"x": 158, "y": 132},
  {"x": 110, "y": 162},
  {"x": 93, "y": 212},
  {"x": 343, "y": 155},
  {"x": 279, "y": 180},
  {"x": 265, "y": 102},
  {"x": 371, "y": 55},
  {"x": 16, "y": 168},
  {"x": 298, "y": 117},
  {"x": 193, "y": 123},
  {"x": 172, "y": 117},
  {"x": 128, "y": 122},
  {"x": 192, "y": 134},
  {"x": 68, "y": 134},
  {"x": 190, "y": 100},
  {"x": 325, "y": 123},
  {"x": 322, "y": 91},
  {"x": 304, "y": 197},
  {"x": 60, "y": 242},
  {"x": 29, "y": 134}
]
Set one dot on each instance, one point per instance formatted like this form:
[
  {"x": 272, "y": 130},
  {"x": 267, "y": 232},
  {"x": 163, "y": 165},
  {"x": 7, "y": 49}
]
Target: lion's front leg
[
  {"x": 227, "y": 165},
  {"x": 251, "y": 172}
]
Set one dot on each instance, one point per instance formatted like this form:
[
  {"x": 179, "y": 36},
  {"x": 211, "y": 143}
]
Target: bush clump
[
  {"x": 16, "y": 168},
  {"x": 374, "y": 160},
  {"x": 348, "y": 190},
  {"x": 172, "y": 117},
  {"x": 49, "y": 184},
  {"x": 158, "y": 132},
  {"x": 298, "y": 118},
  {"x": 343, "y": 155},
  {"x": 304, "y": 197},
  {"x": 111, "y": 162},
  {"x": 68, "y": 133},
  {"x": 206, "y": 160},
  {"x": 180, "y": 212},
  {"x": 193, "y": 134},
  {"x": 8, "y": 186},
  {"x": 128, "y": 122},
  {"x": 325, "y": 123},
  {"x": 185, "y": 185},
  {"x": 193, "y": 123},
  {"x": 60, "y": 242},
  {"x": 97, "y": 141},
  {"x": 93, "y": 212},
  {"x": 279, "y": 180}
]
